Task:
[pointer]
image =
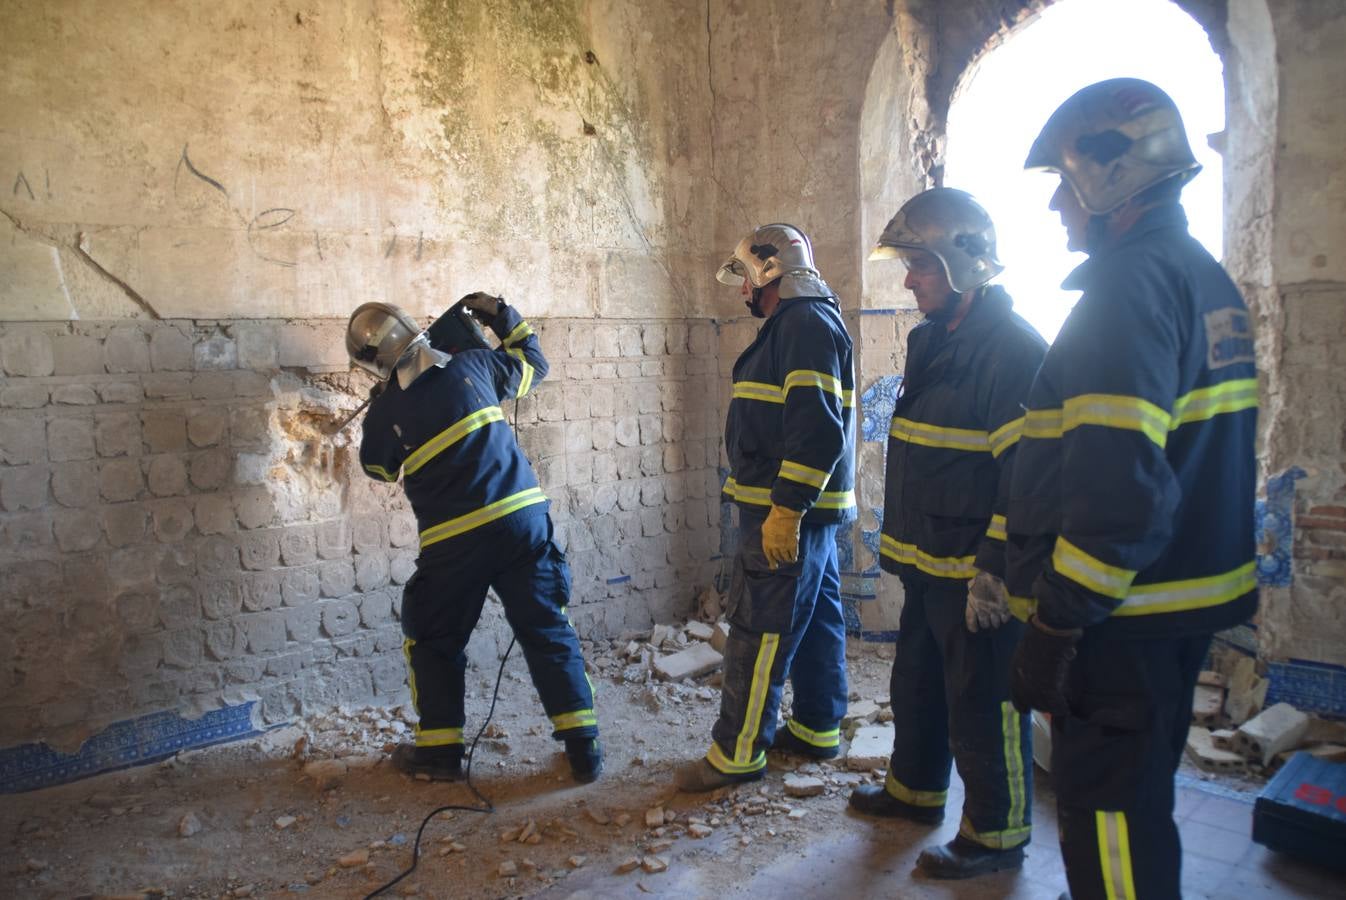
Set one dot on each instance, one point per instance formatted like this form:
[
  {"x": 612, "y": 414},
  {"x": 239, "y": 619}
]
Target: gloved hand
[
  {"x": 1041, "y": 666},
  {"x": 483, "y": 305},
  {"x": 987, "y": 603},
  {"x": 780, "y": 535}
]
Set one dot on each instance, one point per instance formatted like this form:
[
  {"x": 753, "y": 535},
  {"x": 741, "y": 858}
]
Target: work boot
[
  {"x": 963, "y": 858},
  {"x": 874, "y": 800},
  {"x": 700, "y": 776},
  {"x": 786, "y": 741},
  {"x": 586, "y": 758},
  {"x": 438, "y": 763}
]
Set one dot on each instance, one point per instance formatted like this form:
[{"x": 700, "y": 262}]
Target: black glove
[
  {"x": 483, "y": 306},
  {"x": 1040, "y": 668}
]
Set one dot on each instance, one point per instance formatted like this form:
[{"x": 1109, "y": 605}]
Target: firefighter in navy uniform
[
  {"x": 953, "y": 438},
  {"x": 1131, "y": 507},
  {"x": 790, "y": 439},
  {"x": 483, "y": 524}
]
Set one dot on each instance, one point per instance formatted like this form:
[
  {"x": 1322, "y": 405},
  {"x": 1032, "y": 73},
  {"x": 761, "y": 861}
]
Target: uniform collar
[{"x": 1165, "y": 217}]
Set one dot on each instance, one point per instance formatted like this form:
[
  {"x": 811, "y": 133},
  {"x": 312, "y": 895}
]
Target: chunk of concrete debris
[
  {"x": 354, "y": 859},
  {"x": 654, "y": 817},
  {"x": 324, "y": 769},
  {"x": 1274, "y": 730},
  {"x": 1223, "y": 739},
  {"x": 693, "y": 662},
  {"x": 630, "y": 864},
  {"x": 1202, "y": 752},
  {"x": 720, "y": 636},
  {"x": 597, "y": 816},
  {"x": 1207, "y": 704},
  {"x": 576, "y": 861},
  {"x": 870, "y": 748},
  {"x": 528, "y": 833},
  {"x": 700, "y": 631},
  {"x": 1247, "y": 691},
  {"x": 189, "y": 825},
  {"x": 1211, "y": 679},
  {"x": 798, "y": 813},
  {"x": 661, "y": 634},
  {"x": 862, "y": 711},
  {"x": 507, "y": 869},
  {"x": 804, "y": 785},
  {"x": 284, "y": 822},
  {"x": 622, "y": 820},
  {"x": 698, "y": 830},
  {"x": 1330, "y": 752},
  {"x": 654, "y": 864},
  {"x": 709, "y": 605}
]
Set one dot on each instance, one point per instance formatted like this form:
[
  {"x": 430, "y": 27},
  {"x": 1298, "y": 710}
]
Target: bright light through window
[{"x": 1016, "y": 87}]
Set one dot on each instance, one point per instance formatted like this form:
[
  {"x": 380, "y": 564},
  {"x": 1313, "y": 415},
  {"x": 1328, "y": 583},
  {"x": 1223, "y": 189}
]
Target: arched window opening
[{"x": 1005, "y": 101}]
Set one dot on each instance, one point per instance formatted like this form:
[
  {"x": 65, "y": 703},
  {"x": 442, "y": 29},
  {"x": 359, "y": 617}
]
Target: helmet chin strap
[{"x": 755, "y": 304}]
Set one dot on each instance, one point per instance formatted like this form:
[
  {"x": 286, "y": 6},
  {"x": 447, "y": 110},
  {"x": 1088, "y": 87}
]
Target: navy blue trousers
[
  {"x": 442, "y": 603},
  {"x": 782, "y": 622}
]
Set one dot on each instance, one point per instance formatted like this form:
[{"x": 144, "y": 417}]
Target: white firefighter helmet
[
  {"x": 953, "y": 227},
  {"x": 1112, "y": 140},
  {"x": 771, "y": 252}
]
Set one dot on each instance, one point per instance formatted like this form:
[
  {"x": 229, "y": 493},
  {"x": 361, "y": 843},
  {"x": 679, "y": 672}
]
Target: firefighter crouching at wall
[
  {"x": 483, "y": 524},
  {"x": 790, "y": 438},
  {"x": 950, "y": 449},
  {"x": 1131, "y": 507}
]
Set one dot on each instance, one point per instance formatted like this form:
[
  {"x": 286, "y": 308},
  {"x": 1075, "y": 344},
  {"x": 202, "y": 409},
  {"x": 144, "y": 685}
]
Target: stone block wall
[{"x": 176, "y": 533}]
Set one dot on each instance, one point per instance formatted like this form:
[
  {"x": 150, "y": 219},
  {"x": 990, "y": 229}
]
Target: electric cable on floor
[{"x": 486, "y": 805}]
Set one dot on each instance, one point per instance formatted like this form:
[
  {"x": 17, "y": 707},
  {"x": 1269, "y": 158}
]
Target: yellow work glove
[{"x": 780, "y": 535}]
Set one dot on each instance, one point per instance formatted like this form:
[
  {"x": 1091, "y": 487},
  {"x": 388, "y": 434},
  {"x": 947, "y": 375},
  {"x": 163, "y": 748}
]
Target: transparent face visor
[
  {"x": 921, "y": 262},
  {"x": 732, "y": 273}
]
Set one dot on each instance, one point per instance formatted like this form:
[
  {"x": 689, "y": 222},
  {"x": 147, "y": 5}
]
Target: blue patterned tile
[
  {"x": 1308, "y": 686},
  {"x": 1274, "y": 529},
  {"x": 133, "y": 742},
  {"x": 876, "y": 408}
]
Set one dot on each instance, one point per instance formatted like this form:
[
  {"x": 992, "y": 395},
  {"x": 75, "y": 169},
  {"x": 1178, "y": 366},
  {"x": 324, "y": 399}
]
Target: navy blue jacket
[
  {"x": 446, "y": 434},
  {"x": 1131, "y": 506},
  {"x": 952, "y": 442},
  {"x": 790, "y": 434}
]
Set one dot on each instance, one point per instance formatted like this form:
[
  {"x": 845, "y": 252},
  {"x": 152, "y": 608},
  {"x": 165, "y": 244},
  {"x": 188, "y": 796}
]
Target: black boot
[
  {"x": 586, "y": 758},
  {"x": 786, "y": 741},
  {"x": 963, "y": 858},
  {"x": 699, "y": 776},
  {"x": 874, "y": 800},
  {"x": 438, "y": 763}
]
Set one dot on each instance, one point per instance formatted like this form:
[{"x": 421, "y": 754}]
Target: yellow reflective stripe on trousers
[
  {"x": 1209, "y": 402},
  {"x": 816, "y": 738},
  {"x": 1105, "y": 410},
  {"x": 996, "y": 529},
  {"x": 803, "y": 474},
  {"x": 915, "y": 798},
  {"x": 715, "y": 756},
  {"x": 761, "y": 496},
  {"x": 450, "y": 436},
  {"x": 407, "y": 644},
  {"x": 489, "y": 513},
  {"x": 938, "y": 436},
  {"x": 580, "y": 718},
  {"x": 438, "y": 737},
  {"x": 756, "y": 390},
  {"x": 942, "y": 566},
  {"x": 381, "y": 472},
  {"x": 1006, "y": 436},
  {"x": 1191, "y": 593},
  {"x": 521, "y": 331},
  {"x": 810, "y": 378},
  {"x": 757, "y": 691},
  {"x": 1093, "y": 573},
  {"x": 1015, "y": 831},
  {"x": 1114, "y": 855}
]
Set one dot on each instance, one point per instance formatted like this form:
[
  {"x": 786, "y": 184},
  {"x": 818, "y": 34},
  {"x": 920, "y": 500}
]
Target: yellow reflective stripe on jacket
[
  {"x": 1191, "y": 593},
  {"x": 1093, "y": 573},
  {"x": 580, "y": 718},
  {"x": 1208, "y": 402},
  {"x": 848, "y": 399},
  {"x": 1106, "y": 410},
  {"x": 996, "y": 530},
  {"x": 811, "y": 378},
  {"x": 450, "y": 436},
  {"x": 437, "y": 737},
  {"x": 941, "y": 566},
  {"x": 757, "y": 390},
  {"x": 489, "y": 513},
  {"x": 525, "y": 379},
  {"x": 816, "y": 738},
  {"x": 521, "y": 331},
  {"x": 803, "y": 474},
  {"x": 761, "y": 496},
  {"x": 937, "y": 436},
  {"x": 1006, "y": 436},
  {"x": 1114, "y": 855},
  {"x": 915, "y": 798},
  {"x": 381, "y": 472}
]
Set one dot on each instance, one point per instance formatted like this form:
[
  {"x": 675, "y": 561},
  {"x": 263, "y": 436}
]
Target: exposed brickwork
[{"x": 176, "y": 533}]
